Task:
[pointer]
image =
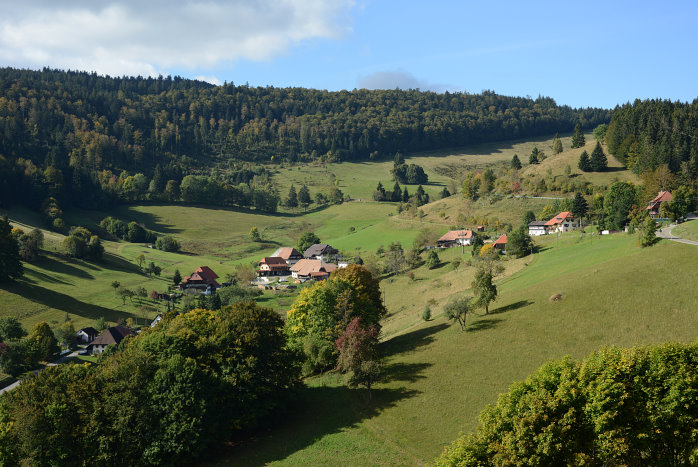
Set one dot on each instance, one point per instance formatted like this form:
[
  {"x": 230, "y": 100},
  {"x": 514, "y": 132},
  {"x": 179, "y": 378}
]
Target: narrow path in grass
[{"x": 666, "y": 232}]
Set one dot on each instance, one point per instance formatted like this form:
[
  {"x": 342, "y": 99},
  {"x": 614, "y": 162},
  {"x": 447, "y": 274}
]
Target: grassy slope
[
  {"x": 438, "y": 379},
  {"x": 689, "y": 230}
]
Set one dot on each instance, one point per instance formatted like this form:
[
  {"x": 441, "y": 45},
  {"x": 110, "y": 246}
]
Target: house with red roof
[
  {"x": 563, "y": 222},
  {"x": 273, "y": 266},
  {"x": 501, "y": 243},
  {"x": 455, "y": 238},
  {"x": 201, "y": 280},
  {"x": 654, "y": 205}
]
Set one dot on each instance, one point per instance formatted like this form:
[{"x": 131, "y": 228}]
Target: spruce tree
[
  {"x": 515, "y": 162},
  {"x": 304, "y": 197},
  {"x": 396, "y": 195},
  {"x": 598, "y": 162},
  {"x": 292, "y": 200},
  {"x": 533, "y": 158},
  {"x": 584, "y": 162},
  {"x": 578, "y": 137},
  {"x": 579, "y": 206},
  {"x": 405, "y": 196},
  {"x": 557, "y": 144}
]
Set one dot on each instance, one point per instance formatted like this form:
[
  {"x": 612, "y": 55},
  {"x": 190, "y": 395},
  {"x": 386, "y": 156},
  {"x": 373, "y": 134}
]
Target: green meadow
[
  {"x": 688, "y": 230},
  {"x": 437, "y": 379}
]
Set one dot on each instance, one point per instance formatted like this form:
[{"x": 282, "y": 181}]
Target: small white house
[
  {"x": 537, "y": 228},
  {"x": 86, "y": 335}
]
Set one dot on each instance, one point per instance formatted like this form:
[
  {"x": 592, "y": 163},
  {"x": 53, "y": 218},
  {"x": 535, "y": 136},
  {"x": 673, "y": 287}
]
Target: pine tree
[
  {"x": 405, "y": 196},
  {"x": 584, "y": 162},
  {"x": 580, "y": 206},
  {"x": 533, "y": 158},
  {"x": 396, "y": 195},
  {"x": 598, "y": 161},
  {"x": 557, "y": 144},
  {"x": 578, "y": 137},
  {"x": 177, "y": 277},
  {"x": 515, "y": 162},
  {"x": 304, "y": 197},
  {"x": 292, "y": 200}
]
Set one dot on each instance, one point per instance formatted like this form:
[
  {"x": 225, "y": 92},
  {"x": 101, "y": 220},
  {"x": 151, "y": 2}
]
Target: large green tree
[
  {"x": 617, "y": 205},
  {"x": 10, "y": 263},
  {"x": 307, "y": 240},
  {"x": 598, "y": 160},
  {"x": 578, "y": 140}
]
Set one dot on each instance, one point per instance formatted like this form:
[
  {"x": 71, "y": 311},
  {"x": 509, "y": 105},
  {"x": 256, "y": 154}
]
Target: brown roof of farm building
[
  {"x": 454, "y": 235},
  {"x": 305, "y": 267},
  {"x": 287, "y": 253},
  {"x": 204, "y": 275},
  {"x": 113, "y": 335},
  {"x": 501, "y": 240},
  {"x": 662, "y": 197}
]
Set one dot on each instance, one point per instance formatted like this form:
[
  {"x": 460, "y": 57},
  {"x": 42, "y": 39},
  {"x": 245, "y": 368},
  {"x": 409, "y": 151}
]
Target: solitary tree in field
[
  {"x": 432, "y": 259},
  {"x": 598, "y": 160},
  {"x": 457, "y": 310},
  {"x": 115, "y": 285},
  {"x": 584, "y": 162},
  {"x": 304, "y": 197},
  {"x": 483, "y": 286},
  {"x": 176, "y": 278},
  {"x": 358, "y": 354},
  {"x": 254, "y": 234},
  {"x": 292, "y": 200},
  {"x": 578, "y": 137},
  {"x": 515, "y": 162},
  {"x": 533, "y": 158},
  {"x": 557, "y": 144},
  {"x": 140, "y": 259}
]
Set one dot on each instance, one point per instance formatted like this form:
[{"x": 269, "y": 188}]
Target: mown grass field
[
  {"x": 688, "y": 230},
  {"x": 437, "y": 379}
]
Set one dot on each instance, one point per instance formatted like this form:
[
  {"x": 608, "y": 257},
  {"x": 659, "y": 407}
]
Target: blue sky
[{"x": 581, "y": 54}]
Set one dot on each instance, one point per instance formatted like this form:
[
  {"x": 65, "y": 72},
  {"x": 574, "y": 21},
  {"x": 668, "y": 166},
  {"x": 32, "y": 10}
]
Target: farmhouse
[
  {"x": 501, "y": 243},
  {"x": 288, "y": 254},
  {"x": 156, "y": 320},
  {"x": 536, "y": 228},
  {"x": 86, "y": 335},
  {"x": 563, "y": 222},
  {"x": 654, "y": 205},
  {"x": 201, "y": 280},
  {"x": 110, "y": 336},
  {"x": 273, "y": 266},
  {"x": 312, "y": 269},
  {"x": 455, "y": 238},
  {"x": 321, "y": 251}
]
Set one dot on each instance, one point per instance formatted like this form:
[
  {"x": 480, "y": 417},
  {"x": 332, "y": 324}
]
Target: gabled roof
[
  {"x": 202, "y": 274},
  {"x": 662, "y": 197},
  {"x": 287, "y": 253},
  {"x": 560, "y": 218},
  {"x": 207, "y": 272},
  {"x": 112, "y": 335},
  {"x": 305, "y": 267},
  {"x": 89, "y": 330},
  {"x": 319, "y": 249},
  {"x": 454, "y": 235},
  {"x": 501, "y": 240},
  {"x": 273, "y": 261}
]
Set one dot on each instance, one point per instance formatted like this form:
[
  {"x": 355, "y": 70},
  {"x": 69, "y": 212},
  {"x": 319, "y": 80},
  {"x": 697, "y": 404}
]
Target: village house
[
  {"x": 273, "y": 266},
  {"x": 312, "y": 269},
  {"x": 563, "y": 222},
  {"x": 156, "y": 320},
  {"x": 501, "y": 244},
  {"x": 537, "y": 228},
  {"x": 321, "y": 251},
  {"x": 455, "y": 238},
  {"x": 110, "y": 336},
  {"x": 201, "y": 280},
  {"x": 654, "y": 205},
  {"x": 86, "y": 335},
  {"x": 289, "y": 254}
]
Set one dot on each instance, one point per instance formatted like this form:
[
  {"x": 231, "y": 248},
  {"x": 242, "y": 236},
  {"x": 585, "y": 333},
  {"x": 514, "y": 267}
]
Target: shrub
[
  {"x": 167, "y": 244},
  {"x": 426, "y": 314}
]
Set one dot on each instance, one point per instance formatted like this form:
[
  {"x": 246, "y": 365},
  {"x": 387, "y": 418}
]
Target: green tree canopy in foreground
[{"x": 617, "y": 407}]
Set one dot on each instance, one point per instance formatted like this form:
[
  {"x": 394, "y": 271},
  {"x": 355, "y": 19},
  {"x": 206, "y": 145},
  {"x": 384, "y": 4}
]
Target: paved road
[
  {"x": 57, "y": 362},
  {"x": 665, "y": 232}
]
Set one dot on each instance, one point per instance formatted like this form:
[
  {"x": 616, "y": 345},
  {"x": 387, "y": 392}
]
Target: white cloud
[
  {"x": 146, "y": 37},
  {"x": 398, "y": 79}
]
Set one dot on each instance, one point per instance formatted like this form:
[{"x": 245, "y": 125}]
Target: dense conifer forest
[
  {"x": 89, "y": 139},
  {"x": 650, "y": 133}
]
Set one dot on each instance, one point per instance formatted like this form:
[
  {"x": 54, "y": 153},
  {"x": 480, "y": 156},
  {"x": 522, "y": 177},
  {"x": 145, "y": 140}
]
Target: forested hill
[
  {"x": 650, "y": 133},
  {"x": 81, "y": 119}
]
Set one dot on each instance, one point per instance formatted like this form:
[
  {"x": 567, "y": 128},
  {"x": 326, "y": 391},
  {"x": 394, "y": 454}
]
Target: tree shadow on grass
[
  {"x": 30, "y": 275},
  {"x": 405, "y": 372},
  {"x": 483, "y": 324},
  {"x": 59, "y": 301},
  {"x": 314, "y": 414},
  {"x": 62, "y": 265},
  {"x": 511, "y": 306},
  {"x": 412, "y": 340}
]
